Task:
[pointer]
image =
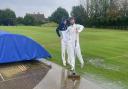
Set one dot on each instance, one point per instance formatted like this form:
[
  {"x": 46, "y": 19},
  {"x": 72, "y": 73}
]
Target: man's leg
[
  {"x": 68, "y": 59},
  {"x": 71, "y": 56},
  {"x": 63, "y": 49},
  {"x": 79, "y": 55}
]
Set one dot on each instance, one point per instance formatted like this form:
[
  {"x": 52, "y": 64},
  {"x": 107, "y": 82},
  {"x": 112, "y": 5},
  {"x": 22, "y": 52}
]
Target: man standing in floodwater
[
  {"x": 73, "y": 43},
  {"x": 61, "y": 32}
]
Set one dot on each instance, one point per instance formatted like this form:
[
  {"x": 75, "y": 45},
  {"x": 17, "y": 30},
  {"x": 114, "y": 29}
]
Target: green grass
[{"x": 105, "y": 51}]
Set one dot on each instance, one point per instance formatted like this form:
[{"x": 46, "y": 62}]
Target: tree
[
  {"x": 7, "y": 17},
  {"x": 19, "y": 20},
  {"x": 124, "y": 8},
  {"x": 29, "y": 20},
  {"x": 58, "y": 15},
  {"x": 106, "y": 13},
  {"x": 80, "y": 14}
]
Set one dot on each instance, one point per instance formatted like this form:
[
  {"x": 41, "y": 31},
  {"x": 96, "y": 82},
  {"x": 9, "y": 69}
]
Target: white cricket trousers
[
  {"x": 71, "y": 55},
  {"x": 73, "y": 52},
  {"x": 63, "y": 51},
  {"x": 78, "y": 53}
]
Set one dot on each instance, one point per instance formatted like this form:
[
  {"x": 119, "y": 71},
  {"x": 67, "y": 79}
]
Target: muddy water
[
  {"x": 100, "y": 80},
  {"x": 39, "y": 76},
  {"x": 104, "y": 83},
  {"x": 101, "y": 63},
  {"x": 57, "y": 78}
]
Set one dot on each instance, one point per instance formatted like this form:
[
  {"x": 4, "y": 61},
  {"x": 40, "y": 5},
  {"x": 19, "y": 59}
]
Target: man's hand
[{"x": 77, "y": 31}]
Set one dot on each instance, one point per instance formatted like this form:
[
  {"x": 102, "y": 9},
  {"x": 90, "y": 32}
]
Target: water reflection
[
  {"x": 69, "y": 83},
  {"x": 58, "y": 78}
]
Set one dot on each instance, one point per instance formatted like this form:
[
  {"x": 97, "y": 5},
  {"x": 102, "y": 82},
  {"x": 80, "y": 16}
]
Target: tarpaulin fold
[{"x": 15, "y": 47}]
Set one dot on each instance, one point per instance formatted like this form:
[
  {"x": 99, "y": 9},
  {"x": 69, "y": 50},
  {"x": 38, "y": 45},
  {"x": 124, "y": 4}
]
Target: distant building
[{"x": 39, "y": 17}]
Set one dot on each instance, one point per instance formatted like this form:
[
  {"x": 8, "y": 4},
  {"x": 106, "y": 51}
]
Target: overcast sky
[{"x": 21, "y": 7}]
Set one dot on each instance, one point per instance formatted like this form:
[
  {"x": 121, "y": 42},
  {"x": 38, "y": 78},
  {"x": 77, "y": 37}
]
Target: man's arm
[
  {"x": 79, "y": 27},
  {"x": 68, "y": 33},
  {"x": 58, "y": 32}
]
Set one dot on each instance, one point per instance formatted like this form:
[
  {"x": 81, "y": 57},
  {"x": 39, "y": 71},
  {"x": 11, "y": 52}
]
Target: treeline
[
  {"x": 90, "y": 13},
  {"x": 103, "y": 13},
  {"x": 97, "y": 13},
  {"x": 8, "y": 18}
]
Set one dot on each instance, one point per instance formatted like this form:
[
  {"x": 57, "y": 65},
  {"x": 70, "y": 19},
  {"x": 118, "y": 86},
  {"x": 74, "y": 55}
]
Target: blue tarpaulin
[{"x": 14, "y": 48}]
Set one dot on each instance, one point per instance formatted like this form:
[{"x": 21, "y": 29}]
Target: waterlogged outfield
[{"x": 105, "y": 51}]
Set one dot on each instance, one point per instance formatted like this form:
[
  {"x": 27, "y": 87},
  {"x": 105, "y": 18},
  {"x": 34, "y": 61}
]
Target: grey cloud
[{"x": 44, "y": 6}]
